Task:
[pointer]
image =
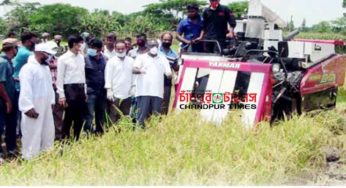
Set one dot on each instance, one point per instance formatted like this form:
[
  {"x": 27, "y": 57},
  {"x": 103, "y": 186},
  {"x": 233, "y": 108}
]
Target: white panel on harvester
[
  {"x": 213, "y": 86},
  {"x": 227, "y": 85},
  {"x": 255, "y": 86},
  {"x": 188, "y": 83}
]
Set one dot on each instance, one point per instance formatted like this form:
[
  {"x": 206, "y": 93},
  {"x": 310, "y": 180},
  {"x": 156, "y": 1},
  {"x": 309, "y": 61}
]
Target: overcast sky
[{"x": 313, "y": 10}]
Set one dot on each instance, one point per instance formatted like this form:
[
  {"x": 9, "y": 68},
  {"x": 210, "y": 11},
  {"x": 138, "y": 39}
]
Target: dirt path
[
  {"x": 335, "y": 170},
  {"x": 334, "y": 174}
]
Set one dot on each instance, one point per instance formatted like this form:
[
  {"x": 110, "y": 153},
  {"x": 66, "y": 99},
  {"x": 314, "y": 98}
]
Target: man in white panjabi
[
  {"x": 35, "y": 102},
  {"x": 119, "y": 82},
  {"x": 151, "y": 68}
]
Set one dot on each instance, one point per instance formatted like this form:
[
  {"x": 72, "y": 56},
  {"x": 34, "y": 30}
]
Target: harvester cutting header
[{"x": 267, "y": 75}]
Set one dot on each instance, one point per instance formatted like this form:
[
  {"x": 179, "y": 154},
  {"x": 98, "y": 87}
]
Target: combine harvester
[{"x": 265, "y": 75}]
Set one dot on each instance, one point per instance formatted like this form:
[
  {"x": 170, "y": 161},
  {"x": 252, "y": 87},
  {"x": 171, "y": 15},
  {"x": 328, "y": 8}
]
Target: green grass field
[
  {"x": 324, "y": 36},
  {"x": 182, "y": 149}
]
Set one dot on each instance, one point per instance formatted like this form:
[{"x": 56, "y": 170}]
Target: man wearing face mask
[
  {"x": 119, "y": 82},
  {"x": 28, "y": 45},
  {"x": 72, "y": 86},
  {"x": 141, "y": 42},
  {"x": 141, "y": 46},
  {"x": 35, "y": 102},
  {"x": 172, "y": 57},
  {"x": 218, "y": 24},
  {"x": 8, "y": 104},
  {"x": 29, "y": 40},
  {"x": 95, "y": 64},
  {"x": 151, "y": 68}
]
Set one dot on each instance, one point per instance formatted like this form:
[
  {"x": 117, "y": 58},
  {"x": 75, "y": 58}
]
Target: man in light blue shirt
[{"x": 28, "y": 45}]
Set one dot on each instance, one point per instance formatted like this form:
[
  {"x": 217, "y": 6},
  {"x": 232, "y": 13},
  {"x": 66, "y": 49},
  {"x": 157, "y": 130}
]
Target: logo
[
  {"x": 218, "y": 64},
  {"x": 217, "y": 101},
  {"x": 328, "y": 78},
  {"x": 217, "y": 98}
]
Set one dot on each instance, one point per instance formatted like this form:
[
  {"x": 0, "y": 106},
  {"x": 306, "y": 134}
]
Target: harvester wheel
[{"x": 284, "y": 109}]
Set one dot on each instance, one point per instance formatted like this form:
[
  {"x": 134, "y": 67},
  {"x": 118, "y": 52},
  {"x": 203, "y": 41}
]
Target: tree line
[
  {"x": 66, "y": 19},
  {"x": 165, "y": 15}
]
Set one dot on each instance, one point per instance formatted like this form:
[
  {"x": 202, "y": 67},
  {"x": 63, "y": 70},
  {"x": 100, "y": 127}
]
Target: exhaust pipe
[{"x": 291, "y": 35}]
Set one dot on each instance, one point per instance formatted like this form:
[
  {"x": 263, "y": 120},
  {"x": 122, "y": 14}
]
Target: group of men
[{"x": 95, "y": 81}]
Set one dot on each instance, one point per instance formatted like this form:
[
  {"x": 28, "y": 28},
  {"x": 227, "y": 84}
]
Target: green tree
[
  {"x": 291, "y": 26},
  {"x": 344, "y": 6},
  {"x": 119, "y": 17},
  {"x": 99, "y": 23},
  {"x": 322, "y": 27},
  {"x": 18, "y": 19},
  {"x": 172, "y": 7},
  {"x": 145, "y": 23},
  {"x": 8, "y": 3},
  {"x": 166, "y": 14},
  {"x": 303, "y": 26},
  {"x": 239, "y": 8},
  {"x": 3, "y": 26},
  {"x": 340, "y": 22},
  {"x": 58, "y": 18},
  {"x": 339, "y": 25}
]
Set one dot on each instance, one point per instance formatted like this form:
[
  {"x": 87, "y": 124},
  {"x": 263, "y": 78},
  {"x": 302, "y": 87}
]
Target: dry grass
[{"x": 183, "y": 150}]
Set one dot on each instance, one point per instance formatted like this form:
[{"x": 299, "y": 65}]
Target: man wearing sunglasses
[{"x": 219, "y": 24}]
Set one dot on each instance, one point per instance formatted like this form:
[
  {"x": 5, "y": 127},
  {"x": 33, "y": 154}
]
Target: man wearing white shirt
[
  {"x": 151, "y": 68},
  {"x": 119, "y": 82},
  {"x": 35, "y": 102},
  {"x": 71, "y": 86},
  {"x": 109, "y": 51}
]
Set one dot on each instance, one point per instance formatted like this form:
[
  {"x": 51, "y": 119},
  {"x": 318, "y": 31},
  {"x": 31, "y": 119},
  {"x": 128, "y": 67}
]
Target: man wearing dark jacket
[
  {"x": 218, "y": 24},
  {"x": 95, "y": 80}
]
